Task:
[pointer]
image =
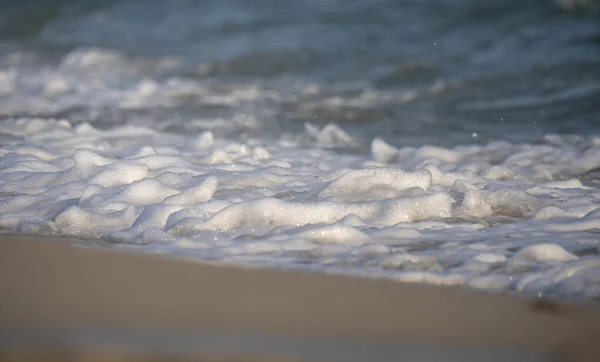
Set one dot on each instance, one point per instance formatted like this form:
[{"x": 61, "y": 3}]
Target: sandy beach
[{"x": 60, "y": 293}]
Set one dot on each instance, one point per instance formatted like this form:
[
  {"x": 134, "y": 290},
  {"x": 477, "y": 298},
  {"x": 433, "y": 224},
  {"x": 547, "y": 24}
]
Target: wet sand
[{"x": 63, "y": 298}]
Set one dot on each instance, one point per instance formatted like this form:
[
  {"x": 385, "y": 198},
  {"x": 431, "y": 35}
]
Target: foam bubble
[
  {"x": 373, "y": 183},
  {"x": 544, "y": 252}
]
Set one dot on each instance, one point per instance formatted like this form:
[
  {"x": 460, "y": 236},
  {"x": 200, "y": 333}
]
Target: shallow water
[{"x": 447, "y": 142}]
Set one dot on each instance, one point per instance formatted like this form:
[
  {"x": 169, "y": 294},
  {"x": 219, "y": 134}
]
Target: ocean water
[{"x": 450, "y": 142}]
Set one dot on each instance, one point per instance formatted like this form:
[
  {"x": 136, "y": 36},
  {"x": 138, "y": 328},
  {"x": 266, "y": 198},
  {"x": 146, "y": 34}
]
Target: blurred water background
[{"x": 443, "y": 72}]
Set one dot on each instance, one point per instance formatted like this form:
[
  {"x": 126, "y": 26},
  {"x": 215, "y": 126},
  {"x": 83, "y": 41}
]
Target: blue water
[{"x": 412, "y": 72}]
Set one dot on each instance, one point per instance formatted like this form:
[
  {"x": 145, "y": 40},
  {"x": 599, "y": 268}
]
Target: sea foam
[{"x": 499, "y": 216}]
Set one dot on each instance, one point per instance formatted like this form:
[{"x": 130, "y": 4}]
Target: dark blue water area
[{"x": 412, "y": 71}]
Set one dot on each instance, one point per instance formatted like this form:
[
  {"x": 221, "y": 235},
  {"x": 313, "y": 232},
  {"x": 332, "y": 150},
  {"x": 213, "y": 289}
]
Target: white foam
[
  {"x": 329, "y": 135},
  {"x": 374, "y": 183},
  {"x": 544, "y": 252},
  {"x": 497, "y": 216}
]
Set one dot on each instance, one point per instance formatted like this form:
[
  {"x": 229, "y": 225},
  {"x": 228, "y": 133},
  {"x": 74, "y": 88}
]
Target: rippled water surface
[{"x": 413, "y": 71}]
